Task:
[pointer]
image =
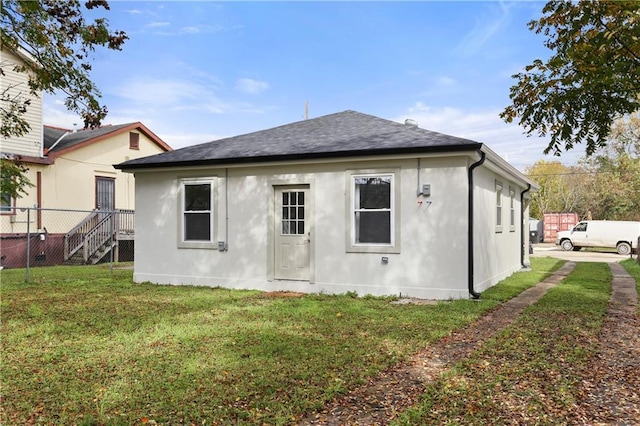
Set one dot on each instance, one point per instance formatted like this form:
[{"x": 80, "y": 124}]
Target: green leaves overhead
[
  {"x": 592, "y": 78},
  {"x": 603, "y": 186},
  {"x": 13, "y": 178},
  {"x": 56, "y": 42}
]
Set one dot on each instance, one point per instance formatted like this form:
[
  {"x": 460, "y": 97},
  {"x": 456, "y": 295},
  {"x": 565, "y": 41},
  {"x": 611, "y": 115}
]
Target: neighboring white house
[
  {"x": 14, "y": 85},
  {"x": 69, "y": 170},
  {"x": 346, "y": 202}
]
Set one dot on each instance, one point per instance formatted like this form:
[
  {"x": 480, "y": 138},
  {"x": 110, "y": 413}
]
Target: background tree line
[{"x": 605, "y": 185}]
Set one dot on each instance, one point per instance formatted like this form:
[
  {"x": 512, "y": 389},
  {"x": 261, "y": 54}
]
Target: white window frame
[
  {"x": 351, "y": 245},
  {"x": 7, "y": 208},
  {"x": 512, "y": 209},
  {"x": 201, "y": 244},
  {"x": 498, "y": 206}
]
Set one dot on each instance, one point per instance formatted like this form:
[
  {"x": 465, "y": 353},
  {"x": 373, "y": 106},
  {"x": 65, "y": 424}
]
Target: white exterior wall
[
  {"x": 17, "y": 84},
  {"x": 432, "y": 262},
  {"x": 497, "y": 252}
]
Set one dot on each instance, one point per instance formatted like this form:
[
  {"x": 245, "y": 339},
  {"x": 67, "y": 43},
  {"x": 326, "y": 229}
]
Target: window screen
[
  {"x": 197, "y": 212},
  {"x": 372, "y": 211}
]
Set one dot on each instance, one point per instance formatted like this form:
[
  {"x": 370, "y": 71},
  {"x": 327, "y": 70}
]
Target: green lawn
[
  {"x": 80, "y": 346},
  {"x": 529, "y": 373}
]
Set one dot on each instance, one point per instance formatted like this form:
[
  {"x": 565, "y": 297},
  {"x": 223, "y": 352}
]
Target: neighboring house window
[
  {"x": 197, "y": 213},
  {"x": 6, "y": 203},
  {"x": 373, "y": 211},
  {"x": 105, "y": 193},
  {"x": 134, "y": 140},
  {"x": 498, "y": 206},
  {"x": 512, "y": 209}
]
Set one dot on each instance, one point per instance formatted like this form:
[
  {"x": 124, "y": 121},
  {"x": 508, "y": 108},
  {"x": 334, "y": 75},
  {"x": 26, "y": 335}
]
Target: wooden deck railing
[{"x": 95, "y": 230}]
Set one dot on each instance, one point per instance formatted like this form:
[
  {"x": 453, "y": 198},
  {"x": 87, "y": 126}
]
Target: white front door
[{"x": 292, "y": 233}]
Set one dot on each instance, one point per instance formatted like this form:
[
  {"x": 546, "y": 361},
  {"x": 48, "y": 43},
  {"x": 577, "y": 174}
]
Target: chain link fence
[{"x": 35, "y": 237}]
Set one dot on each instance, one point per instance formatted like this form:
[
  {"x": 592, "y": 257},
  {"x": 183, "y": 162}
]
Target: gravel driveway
[{"x": 584, "y": 255}]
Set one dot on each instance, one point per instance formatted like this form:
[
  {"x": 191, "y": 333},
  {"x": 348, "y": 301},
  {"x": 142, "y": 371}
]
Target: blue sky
[{"x": 197, "y": 71}]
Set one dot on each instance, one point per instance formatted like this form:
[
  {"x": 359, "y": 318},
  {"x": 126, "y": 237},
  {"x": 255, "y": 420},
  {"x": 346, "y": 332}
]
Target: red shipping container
[{"x": 556, "y": 222}]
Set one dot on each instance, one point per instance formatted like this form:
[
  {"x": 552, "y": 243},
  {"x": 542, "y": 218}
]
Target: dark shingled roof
[
  {"x": 52, "y": 134},
  {"x": 344, "y": 134}
]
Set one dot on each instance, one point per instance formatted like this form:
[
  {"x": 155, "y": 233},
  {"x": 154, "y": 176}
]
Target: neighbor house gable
[{"x": 60, "y": 143}]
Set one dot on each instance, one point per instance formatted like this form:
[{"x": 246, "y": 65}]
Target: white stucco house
[{"x": 347, "y": 202}]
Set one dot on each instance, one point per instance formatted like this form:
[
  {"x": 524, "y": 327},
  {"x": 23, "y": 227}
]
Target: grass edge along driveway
[
  {"x": 531, "y": 372},
  {"x": 82, "y": 348}
]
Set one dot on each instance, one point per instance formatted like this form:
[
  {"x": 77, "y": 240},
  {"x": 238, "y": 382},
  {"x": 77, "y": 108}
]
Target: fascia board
[
  {"x": 298, "y": 162},
  {"x": 501, "y": 166}
]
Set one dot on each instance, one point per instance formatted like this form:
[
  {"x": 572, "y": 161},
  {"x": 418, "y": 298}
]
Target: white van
[{"x": 623, "y": 236}]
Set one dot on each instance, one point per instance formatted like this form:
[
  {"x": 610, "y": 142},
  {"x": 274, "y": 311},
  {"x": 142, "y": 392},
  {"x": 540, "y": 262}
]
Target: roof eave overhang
[
  {"x": 28, "y": 159},
  {"x": 299, "y": 157},
  {"x": 500, "y": 165}
]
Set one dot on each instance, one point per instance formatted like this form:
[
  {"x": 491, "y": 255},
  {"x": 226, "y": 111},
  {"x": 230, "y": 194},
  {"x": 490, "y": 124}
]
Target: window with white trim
[
  {"x": 498, "y": 206},
  {"x": 6, "y": 203},
  {"x": 372, "y": 211},
  {"x": 197, "y": 213},
  {"x": 512, "y": 209}
]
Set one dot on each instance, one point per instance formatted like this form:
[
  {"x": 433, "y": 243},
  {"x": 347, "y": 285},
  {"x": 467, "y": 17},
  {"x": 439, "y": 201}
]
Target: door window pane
[{"x": 293, "y": 213}]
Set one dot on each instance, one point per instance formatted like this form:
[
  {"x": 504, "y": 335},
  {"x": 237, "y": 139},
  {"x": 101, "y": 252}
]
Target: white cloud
[
  {"x": 446, "y": 81},
  {"x": 201, "y": 29},
  {"x": 157, "y": 24},
  {"x": 190, "y": 30},
  {"x": 251, "y": 86},
  {"x": 485, "y": 28},
  {"x": 485, "y": 126},
  {"x": 156, "y": 28},
  {"x": 163, "y": 92},
  {"x": 55, "y": 113}
]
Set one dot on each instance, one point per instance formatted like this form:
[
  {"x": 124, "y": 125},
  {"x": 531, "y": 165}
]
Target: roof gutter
[
  {"x": 470, "y": 251},
  {"x": 135, "y": 164},
  {"x": 523, "y": 224}
]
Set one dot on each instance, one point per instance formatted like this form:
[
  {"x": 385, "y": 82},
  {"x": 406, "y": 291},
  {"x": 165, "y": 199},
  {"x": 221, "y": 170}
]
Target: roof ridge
[
  {"x": 56, "y": 127},
  {"x": 342, "y": 134}
]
